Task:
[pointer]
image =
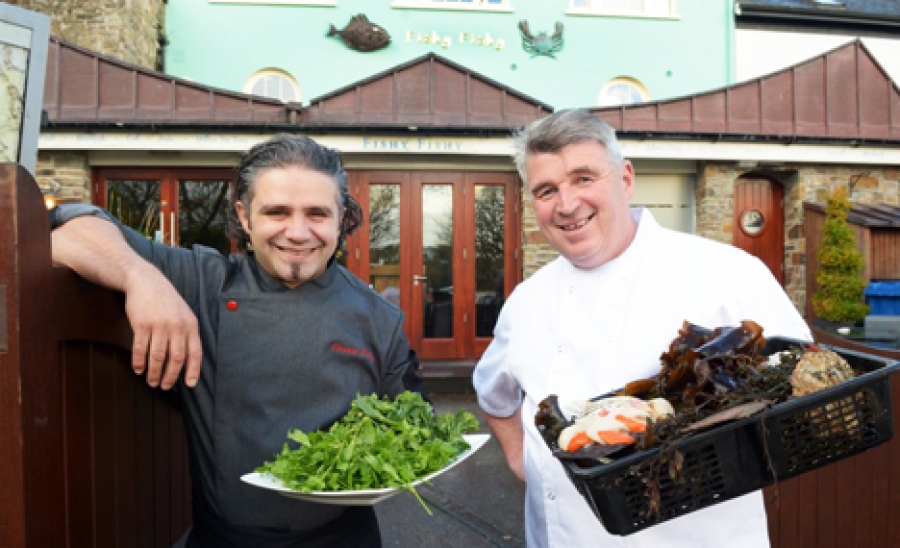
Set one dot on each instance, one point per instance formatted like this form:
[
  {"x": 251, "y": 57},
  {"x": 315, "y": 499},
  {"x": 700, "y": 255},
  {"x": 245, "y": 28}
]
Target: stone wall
[
  {"x": 535, "y": 250},
  {"x": 801, "y": 183},
  {"x": 125, "y": 29},
  {"x": 64, "y": 175},
  {"x": 714, "y": 206}
]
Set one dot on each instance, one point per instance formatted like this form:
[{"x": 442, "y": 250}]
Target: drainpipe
[
  {"x": 162, "y": 41},
  {"x": 734, "y": 9}
]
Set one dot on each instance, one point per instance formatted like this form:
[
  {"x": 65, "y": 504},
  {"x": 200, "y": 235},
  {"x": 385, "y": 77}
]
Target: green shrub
[{"x": 841, "y": 285}]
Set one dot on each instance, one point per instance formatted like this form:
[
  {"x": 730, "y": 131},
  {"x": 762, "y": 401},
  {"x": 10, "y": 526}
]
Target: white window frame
[
  {"x": 633, "y": 83},
  {"x": 597, "y": 8},
  {"x": 265, "y": 73},
  {"x": 282, "y": 2},
  {"x": 454, "y": 5}
]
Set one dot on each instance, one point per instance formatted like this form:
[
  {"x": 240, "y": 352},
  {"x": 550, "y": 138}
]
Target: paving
[{"x": 478, "y": 503}]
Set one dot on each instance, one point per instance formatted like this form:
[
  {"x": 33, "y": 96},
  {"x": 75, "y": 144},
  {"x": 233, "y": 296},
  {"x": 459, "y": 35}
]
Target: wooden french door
[
  {"x": 444, "y": 247},
  {"x": 759, "y": 221},
  {"x": 177, "y": 206}
]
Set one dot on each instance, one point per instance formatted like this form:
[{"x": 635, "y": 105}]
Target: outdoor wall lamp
[{"x": 51, "y": 194}]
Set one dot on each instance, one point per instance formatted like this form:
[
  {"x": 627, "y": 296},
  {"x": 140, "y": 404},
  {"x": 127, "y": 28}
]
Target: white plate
[{"x": 365, "y": 497}]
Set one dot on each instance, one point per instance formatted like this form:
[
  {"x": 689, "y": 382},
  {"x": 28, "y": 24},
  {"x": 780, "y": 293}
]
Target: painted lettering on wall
[
  {"x": 465, "y": 38},
  {"x": 418, "y": 144}
]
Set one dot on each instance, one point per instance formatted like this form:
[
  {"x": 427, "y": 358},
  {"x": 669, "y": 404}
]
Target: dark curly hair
[{"x": 283, "y": 151}]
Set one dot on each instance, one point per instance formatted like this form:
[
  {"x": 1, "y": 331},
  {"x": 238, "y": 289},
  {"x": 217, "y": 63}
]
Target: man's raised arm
[{"x": 165, "y": 329}]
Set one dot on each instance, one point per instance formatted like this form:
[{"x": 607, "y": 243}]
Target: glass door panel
[
  {"x": 136, "y": 204},
  {"x": 445, "y": 242},
  {"x": 175, "y": 206},
  {"x": 437, "y": 261},
  {"x": 384, "y": 241},
  {"x": 203, "y": 214},
  {"x": 490, "y": 236}
]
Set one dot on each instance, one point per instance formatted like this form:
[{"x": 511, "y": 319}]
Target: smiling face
[
  {"x": 293, "y": 222},
  {"x": 581, "y": 202}
]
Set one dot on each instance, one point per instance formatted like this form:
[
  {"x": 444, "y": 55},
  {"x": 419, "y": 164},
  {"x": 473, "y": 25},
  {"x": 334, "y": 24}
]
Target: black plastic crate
[
  {"x": 804, "y": 434},
  {"x": 716, "y": 467},
  {"x": 738, "y": 458}
]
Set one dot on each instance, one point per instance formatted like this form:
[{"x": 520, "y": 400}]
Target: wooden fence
[{"x": 852, "y": 503}]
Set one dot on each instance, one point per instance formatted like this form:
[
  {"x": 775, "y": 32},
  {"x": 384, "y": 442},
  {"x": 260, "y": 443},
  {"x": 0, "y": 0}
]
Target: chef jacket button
[
  {"x": 232, "y": 305},
  {"x": 559, "y": 349},
  {"x": 551, "y": 496}
]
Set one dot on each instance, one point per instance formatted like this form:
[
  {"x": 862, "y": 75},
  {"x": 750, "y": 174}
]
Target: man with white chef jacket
[{"x": 600, "y": 315}]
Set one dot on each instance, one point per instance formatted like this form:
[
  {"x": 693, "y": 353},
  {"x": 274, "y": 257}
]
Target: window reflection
[
  {"x": 384, "y": 241},
  {"x": 437, "y": 260},
  {"x": 203, "y": 214},
  {"x": 136, "y": 205},
  {"x": 490, "y": 231}
]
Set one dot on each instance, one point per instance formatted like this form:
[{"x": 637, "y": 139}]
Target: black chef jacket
[{"x": 274, "y": 359}]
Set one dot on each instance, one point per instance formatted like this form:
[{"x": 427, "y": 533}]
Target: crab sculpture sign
[{"x": 541, "y": 43}]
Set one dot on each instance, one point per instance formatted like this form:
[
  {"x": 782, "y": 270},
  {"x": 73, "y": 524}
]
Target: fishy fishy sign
[{"x": 465, "y": 38}]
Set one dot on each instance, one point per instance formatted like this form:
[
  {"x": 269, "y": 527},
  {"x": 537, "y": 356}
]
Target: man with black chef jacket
[{"x": 257, "y": 343}]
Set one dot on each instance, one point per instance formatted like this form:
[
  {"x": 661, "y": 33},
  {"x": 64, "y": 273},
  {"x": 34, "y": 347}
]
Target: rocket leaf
[{"x": 379, "y": 443}]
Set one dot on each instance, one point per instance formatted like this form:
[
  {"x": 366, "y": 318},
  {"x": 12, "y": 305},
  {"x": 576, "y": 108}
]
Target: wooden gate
[{"x": 89, "y": 455}]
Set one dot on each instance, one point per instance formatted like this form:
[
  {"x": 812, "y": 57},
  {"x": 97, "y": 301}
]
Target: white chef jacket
[{"x": 581, "y": 333}]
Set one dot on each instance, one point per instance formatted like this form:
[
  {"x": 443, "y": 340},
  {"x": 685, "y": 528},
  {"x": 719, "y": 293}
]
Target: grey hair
[
  {"x": 560, "y": 129},
  {"x": 284, "y": 151}
]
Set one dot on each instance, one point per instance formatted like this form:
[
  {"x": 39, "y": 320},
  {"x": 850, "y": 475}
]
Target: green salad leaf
[{"x": 379, "y": 443}]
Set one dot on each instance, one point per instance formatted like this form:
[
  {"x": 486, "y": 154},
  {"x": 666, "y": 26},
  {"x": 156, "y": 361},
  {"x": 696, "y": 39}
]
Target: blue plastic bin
[{"x": 883, "y": 298}]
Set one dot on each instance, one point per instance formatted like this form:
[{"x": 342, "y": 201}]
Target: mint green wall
[{"x": 223, "y": 44}]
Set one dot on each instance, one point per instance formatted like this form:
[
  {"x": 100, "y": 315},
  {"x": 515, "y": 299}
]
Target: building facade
[
  {"x": 576, "y": 53},
  {"x": 426, "y": 144}
]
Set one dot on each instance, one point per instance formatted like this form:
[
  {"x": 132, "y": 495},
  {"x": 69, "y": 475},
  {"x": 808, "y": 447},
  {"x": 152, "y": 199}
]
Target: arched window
[
  {"x": 622, "y": 91},
  {"x": 275, "y": 84}
]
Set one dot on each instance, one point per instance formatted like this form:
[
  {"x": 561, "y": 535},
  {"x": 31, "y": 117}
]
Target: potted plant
[{"x": 839, "y": 298}]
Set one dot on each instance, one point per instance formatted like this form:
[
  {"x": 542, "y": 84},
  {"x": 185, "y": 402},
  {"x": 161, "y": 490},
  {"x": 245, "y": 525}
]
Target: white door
[{"x": 669, "y": 197}]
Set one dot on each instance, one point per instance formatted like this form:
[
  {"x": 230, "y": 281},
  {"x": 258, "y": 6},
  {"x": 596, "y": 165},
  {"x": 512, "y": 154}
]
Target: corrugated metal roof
[
  {"x": 868, "y": 215},
  {"x": 842, "y": 95},
  {"x": 427, "y": 92},
  {"x": 85, "y": 87}
]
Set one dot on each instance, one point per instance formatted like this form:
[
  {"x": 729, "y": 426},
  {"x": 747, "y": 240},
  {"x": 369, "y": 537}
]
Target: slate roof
[{"x": 859, "y": 12}]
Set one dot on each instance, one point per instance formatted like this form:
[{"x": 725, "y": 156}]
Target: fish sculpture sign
[{"x": 362, "y": 35}]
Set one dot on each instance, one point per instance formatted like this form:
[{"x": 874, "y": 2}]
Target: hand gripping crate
[{"x": 737, "y": 458}]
